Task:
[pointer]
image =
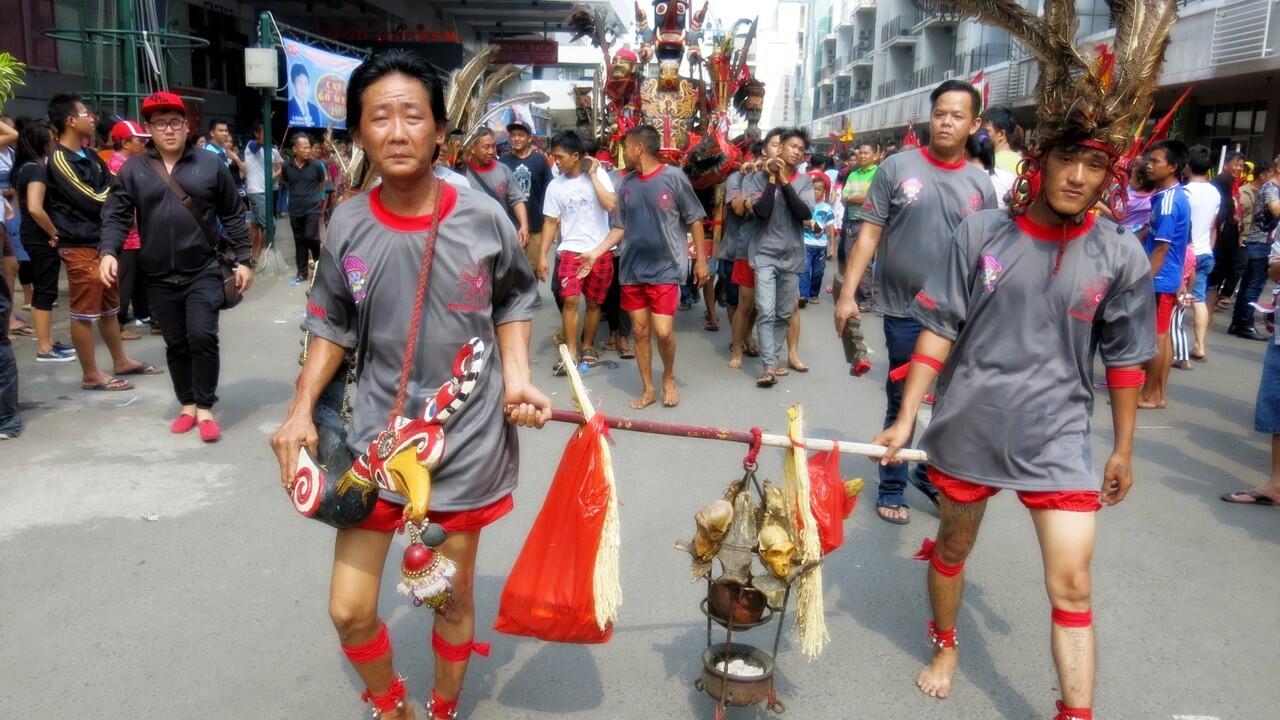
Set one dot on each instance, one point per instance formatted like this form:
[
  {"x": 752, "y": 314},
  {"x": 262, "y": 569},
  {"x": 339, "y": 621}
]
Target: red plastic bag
[
  {"x": 549, "y": 592},
  {"x": 827, "y": 500}
]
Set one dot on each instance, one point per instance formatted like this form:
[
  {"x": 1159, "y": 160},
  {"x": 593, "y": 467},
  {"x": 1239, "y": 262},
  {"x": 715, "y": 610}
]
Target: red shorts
[
  {"x": 963, "y": 491},
  {"x": 1164, "y": 312},
  {"x": 594, "y": 287},
  {"x": 661, "y": 299},
  {"x": 743, "y": 275},
  {"x": 389, "y": 517}
]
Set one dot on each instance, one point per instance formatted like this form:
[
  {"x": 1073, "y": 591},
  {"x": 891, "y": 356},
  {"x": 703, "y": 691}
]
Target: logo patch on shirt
[
  {"x": 316, "y": 310},
  {"x": 925, "y": 301},
  {"x": 357, "y": 274},
  {"x": 1090, "y": 298},
  {"x": 911, "y": 188},
  {"x": 473, "y": 285},
  {"x": 975, "y": 201},
  {"x": 989, "y": 272},
  {"x": 664, "y": 201}
]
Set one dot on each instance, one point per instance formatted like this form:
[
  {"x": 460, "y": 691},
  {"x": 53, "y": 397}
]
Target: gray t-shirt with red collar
[
  {"x": 731, "y": 229},
  {"x": 1015, "y": 397},
  {"x": 500, "y": 184},
  {"x": 778, "y": 240},
  {"x": 362, "y": 300},
  {"x": 919, "y": 201},
  {"x": 655, "y": 212}
]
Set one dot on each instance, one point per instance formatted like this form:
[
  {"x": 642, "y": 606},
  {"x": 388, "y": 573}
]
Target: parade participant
[
  {"x": 916, "y": 200},
  {"x": 129, "y": 139},
  {"x": 776, "y": 250},
  {"x": 619, "y": 322},
  {"x": 820, "y": 238},
  {"x": 305, "y": 179},
  {"x": 1057, "y": 282},
  {"x": 178, "y": 254},
  {"x": 1266, "y": 216},
  {"x": 741, "y": 275},
  {"x": 1223, "y": 279},
  {"x": 726, "y": 254},
  {"x": 497, "y": 181},
  {"x": 532, "y": 172},
  {"x": 76, "y": 186},
  {"x": 1166, "y": 245},
  {"x": 656, "y": 206},
  {"x": 363, "y": 300},
  {"x": 576, "y": 210},
  {"x": 852, "y": 195}
]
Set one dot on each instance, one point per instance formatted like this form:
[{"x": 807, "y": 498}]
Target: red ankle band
[
  {"x": 442, "y": 709},
  {"x": 457, "y": 653},
  {"x": 377, "y": 647},
  {"x": 942, "y": 638},
  {"x": 928, "y": 551},
  {"x": 1067, "y": 713},
  {"x": 1068, "y": 619},
  {"x": 388, "y": 701}
]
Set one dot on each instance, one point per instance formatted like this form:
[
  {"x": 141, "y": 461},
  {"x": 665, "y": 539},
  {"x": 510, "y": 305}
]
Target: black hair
[
  {"x": 33, "y": 143},
  {"x": 975, "y": 98},
  {"x": 213, "y": 125},
  {"x": 794, "y": 132},
  {"x": 869, "y": 143},
  {"x": 773, "y": 133},
  {"x": 980, "y": 147},
  {"x": 1175, "y": 153},
  {"x": 257, "y": 125},
  {"x": 481, "y": 132},
  {"x": 1261, "y": 167},
  {"x": 757, "y": 148},
  {"x": 301, "y": 136},
  {"x": 455, "y": 132},
  {"x": 569, "y": 141},
  {"x": 818, "y": 161},
  {"x": 61, "y": 107},
  {"x": 1235, "y": 155},
  {"x": 405, "y": 62},
  {"x": 648, "y": 138},
  {"x": 1141, "y": 177},
  {"x": 1199, "y": 160},
  {"x": 299, "y": 69}
]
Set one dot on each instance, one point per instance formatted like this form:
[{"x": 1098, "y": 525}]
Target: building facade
[{"x": 874, "y": 62}]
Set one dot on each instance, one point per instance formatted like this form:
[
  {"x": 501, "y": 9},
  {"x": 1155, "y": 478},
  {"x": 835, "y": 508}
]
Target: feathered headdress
[
  {"x": 467, "y": 98},
  {"x": 1087, "y": 101}
]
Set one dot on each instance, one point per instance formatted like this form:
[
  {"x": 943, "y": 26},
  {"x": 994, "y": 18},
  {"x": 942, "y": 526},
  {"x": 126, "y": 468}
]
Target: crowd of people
[{"x": 164, "y": 230}]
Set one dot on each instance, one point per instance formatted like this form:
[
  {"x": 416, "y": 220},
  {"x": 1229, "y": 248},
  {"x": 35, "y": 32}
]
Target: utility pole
[{"x": 266, "y": 40}]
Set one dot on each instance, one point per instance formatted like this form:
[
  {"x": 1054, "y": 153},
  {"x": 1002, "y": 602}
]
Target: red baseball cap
[
  {"x": 126, "y": 129},
  {"x": 160, "y": 102}
]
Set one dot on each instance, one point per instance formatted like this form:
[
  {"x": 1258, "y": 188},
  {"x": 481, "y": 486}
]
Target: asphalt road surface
[{"x": 146, "y": 575}]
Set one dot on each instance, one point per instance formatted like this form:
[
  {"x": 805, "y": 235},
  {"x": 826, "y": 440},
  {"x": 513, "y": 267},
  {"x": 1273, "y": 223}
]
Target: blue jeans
[
  {"x": 1255, "y": 278},
  {"x": 1204, "y": 266},
  {"x": 1266, "y": 413},
  {"x": 777, "y": 292},
  {"x": 900, "y": 336},
  {"x": 815, "y": 267},
  {"x": 10, "y": 422}
]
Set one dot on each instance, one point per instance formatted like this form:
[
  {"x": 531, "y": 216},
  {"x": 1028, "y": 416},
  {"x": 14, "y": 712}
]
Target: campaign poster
[{"x": 317, "y": 82}]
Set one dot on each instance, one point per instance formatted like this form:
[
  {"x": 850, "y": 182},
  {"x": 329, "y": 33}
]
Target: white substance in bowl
[{"x": 741, "y": 666}]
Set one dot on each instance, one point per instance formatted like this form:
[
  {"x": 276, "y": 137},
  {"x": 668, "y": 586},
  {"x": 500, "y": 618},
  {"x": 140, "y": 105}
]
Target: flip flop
[
  {"x": 892, "y": 520},
  {"x": 25, "y": 330},
  {"x": 112, "y": 385},
  {"x": 143, "y": 369},
  {"x": 627, "y": 354},
  {"x": 590, "y": 358},
  {"x": 751, "y": 352},
  {"x": 711, "y": 327},
  {"x": 766, "y": 380},
  {"x": 780, "y": 372},
  {"x": 1256, "y": 498}
]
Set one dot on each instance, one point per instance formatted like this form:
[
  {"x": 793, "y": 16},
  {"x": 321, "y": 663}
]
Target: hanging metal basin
[{"x": 735, "y": 690}]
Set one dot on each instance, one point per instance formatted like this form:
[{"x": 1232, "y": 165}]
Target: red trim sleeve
[{"x": 1122, "y": 378}]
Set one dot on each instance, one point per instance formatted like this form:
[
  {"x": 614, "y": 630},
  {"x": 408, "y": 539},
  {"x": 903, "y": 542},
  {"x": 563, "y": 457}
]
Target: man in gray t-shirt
[
  {"x": 776, "y": 251},
  {"x": 496, "y": 180},
  {"x": 916, "y": 200}
]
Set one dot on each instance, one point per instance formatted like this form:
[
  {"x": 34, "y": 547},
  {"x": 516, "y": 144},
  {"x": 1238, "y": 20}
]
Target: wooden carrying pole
[{"x": 704, "y": 432}]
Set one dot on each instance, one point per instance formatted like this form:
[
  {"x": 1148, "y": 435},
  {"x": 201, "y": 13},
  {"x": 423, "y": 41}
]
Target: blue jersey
[
  {"x": 1170, "y": 224},
  {"x": 825, "y": 216}
]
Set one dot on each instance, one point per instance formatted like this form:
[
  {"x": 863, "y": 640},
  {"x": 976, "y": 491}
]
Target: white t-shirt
[
  {"x": 254, "y": 180},
  {"x": 572, "y": 201},
  {"x": 1002, "y": 180},
  {"x": 1205, "y": 201}
]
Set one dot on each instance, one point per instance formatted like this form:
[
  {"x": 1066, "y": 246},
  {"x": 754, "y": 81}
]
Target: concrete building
[
  {"x": 780, "y": 42},
  {"x": 874, "y": 62},
  {"x": 215, "y": 74}
]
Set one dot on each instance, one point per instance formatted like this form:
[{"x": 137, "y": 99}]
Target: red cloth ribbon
[
  {"x": 1068, "y": 619},
  {"x": 925, "y": 553},
  {"x": 377, "y": 647},
  {"x": 457, "y": 653},
  {"x": 757, "y": 439},
  {"x": 1118, "y": 378},
  {"x": 942, "y": 638},
  {"x": 1067, "y": 713},
  {"x": 442, "y": 709},
  {"x": 899, "y": 373},
  {"x": 388, "y": 701}
]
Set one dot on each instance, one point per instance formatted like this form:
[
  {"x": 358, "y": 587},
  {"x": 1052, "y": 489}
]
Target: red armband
[
  {"x": 899, "y": 373},
  {"x": 1118, "y": 378}
]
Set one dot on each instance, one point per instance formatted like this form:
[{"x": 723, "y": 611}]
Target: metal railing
[
  {"x": 899, "y": 27},
  {"x": 931, "y": 75},
  {"x": 893, "y": 87},
  {"x": 967, "y": 63}
]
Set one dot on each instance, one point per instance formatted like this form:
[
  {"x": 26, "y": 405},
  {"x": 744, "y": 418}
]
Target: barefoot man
[
  {"x": 1012, "y": 318},
  {"x": 656, "y": 208},
  {"x": 363, "y": 300}
]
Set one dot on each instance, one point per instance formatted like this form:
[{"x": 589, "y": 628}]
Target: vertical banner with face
[{"x": 317, "y": 86}]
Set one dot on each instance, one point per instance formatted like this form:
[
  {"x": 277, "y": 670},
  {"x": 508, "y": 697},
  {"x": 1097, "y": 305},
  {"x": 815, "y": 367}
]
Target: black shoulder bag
[{"x": 231, "y": 295}]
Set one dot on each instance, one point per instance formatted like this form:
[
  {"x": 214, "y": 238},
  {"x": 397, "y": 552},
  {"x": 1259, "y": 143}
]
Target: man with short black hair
[
  {"x": 1266, "y": 216},
  {"x": 255, "y": 185},
  {"x": 1205, "y": 201},
  {"x": 76, "y": 186},
  {"x": 1223, "y": 279},
  {"x": 1006, "y": 136},
  {"x": 178, "y": 252},
  {"x": 916, "y": 200},
  {"x": 305, "y": 178},
  {"x": 498, "y": 182},
  {"x": 1166, "y": 246}
]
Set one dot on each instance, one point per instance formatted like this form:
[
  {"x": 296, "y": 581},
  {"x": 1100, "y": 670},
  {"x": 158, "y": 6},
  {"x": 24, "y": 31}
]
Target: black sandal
[
  {"x": 766, "y": 380},
  {"x": 1257, "y": 498}
]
